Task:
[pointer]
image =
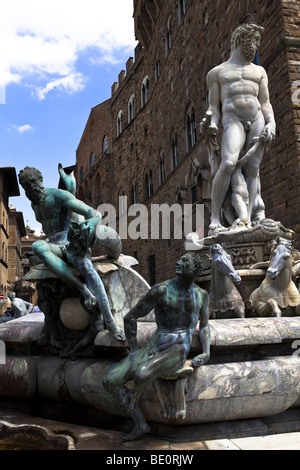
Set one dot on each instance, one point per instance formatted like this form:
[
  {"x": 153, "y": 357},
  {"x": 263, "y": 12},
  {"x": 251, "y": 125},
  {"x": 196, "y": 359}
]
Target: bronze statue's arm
[
  {"x": 92, "y": 217},
  {"x": 90, "y": 214},
  {"x": 204, "y": 332},
  {"x": 141, "y": 309},
  {"x": 29, "y": 306}
]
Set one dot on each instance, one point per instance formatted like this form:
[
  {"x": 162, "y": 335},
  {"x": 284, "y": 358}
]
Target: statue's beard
[
  {"x": 249, "y": 50},
  {"x": 37, "y": 196}
]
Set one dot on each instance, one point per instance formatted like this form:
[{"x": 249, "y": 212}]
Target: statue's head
[
  {"x": 189, "y": 266},
  {"x": 31, "y": 180},
  {"x": 247, "y": 35},
  {"x": 11, "y": 295}
]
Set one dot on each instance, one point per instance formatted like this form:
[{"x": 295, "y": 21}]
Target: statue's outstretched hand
[
  {"x": 200, "y": 360},
  {"x": 88, "y": 228},
  {"x": 80, "y": 236}
]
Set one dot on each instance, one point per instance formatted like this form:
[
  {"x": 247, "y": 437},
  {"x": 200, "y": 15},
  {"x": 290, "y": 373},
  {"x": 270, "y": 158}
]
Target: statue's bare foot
[
  {"x": 137, "y": 431},
  {"x": 117, "y": 333},
  {"x": 180, "y": 414},
  {"x": 215, "y": 229}
]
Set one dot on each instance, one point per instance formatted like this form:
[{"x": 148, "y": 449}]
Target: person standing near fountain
[{"x": 239, "y": 99}]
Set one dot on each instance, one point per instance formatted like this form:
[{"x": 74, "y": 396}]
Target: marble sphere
[{"x": 73, "y": 315}]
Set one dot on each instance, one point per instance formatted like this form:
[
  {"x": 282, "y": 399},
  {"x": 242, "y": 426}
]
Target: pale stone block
[{"x": 73, "y": 315}]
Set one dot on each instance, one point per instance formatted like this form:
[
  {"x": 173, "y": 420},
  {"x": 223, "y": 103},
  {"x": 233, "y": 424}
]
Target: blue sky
[{"x": 58, "y": 59}]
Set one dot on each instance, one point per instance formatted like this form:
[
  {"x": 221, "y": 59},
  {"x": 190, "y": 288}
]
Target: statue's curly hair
[
  {"x": 243, "y": 33},
  {"x": 198, "y": 264},
  {"x": 23, "y": 175}
]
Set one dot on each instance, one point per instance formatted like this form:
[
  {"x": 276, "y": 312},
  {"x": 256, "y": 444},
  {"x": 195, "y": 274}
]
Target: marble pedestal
[{"x": 253, "y": 372}]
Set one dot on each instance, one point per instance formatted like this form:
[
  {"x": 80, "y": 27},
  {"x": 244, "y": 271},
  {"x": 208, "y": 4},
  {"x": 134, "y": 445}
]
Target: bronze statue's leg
[
  {"x": 140, "y": 424},
  {"x": 114, "y": 382},
  {"x": 160, "y": 365},
  {"x": 95, "y": 285},
  {"x": 51, "y": 256}
]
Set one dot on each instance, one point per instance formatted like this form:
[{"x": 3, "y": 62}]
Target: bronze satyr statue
[
  {"x": 179, "y": 303},
  {"x": 68, "y": 242}
]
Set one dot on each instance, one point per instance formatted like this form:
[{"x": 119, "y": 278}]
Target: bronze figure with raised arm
[{"x": 57, "y": 210}]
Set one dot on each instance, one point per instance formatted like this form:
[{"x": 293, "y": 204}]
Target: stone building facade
[
  {"x": 94, "y": 158},
  {"x": 26, "y": 289},
  {"x": 156, "y": 154},
  {"x": 8, "y": 188},
  {"x": 16, "y": 232}
]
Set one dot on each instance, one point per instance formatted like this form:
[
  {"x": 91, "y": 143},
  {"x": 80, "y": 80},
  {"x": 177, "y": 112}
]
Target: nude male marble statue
[{"x": 239, "y": 100}]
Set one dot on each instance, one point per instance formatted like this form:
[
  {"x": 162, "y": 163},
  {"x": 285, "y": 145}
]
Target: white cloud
[
  {"x": 22, "y": 129},
  {"x": 41, "y": 40},
  {"x": 70, "y": 84}
]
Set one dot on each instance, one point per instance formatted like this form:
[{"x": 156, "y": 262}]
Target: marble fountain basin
[{"x": 32, "y": 437}]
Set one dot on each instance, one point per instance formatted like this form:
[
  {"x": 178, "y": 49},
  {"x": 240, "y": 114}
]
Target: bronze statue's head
[
  {"x": 11, "y": 294},
  {"x": 189, "y": 266},
  {"x": 31, "y": 180},
  {"x": 249, "y": 36}
]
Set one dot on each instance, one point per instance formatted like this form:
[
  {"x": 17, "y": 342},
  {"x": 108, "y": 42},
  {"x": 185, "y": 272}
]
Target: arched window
[
  {"x": 97, "y": 191},
  {"x": 149, "y": 184},
  {"x": 80, "y": 194},
  {"x": 131, "y": 108},
  {"x": 162, "y": 170},
  {"x": 134, "y": 198},
  {"x": 81, "y": 174},
  {"x": 157, "y": 66},
  {"x": 174, "y": 151},
  {"x": 191, "y": 129},
  {"x": 122, "y": 205},
  {"x": 182, "y": 6},
  {"x": 120, "y": 122},
  {"x": 145, "y": 91},
  {"x": 168, "y": 38},
  {"x": 105, "y": 144},
  {"x": 194, "y": 193},
  {"x": 92, "y": 160}
]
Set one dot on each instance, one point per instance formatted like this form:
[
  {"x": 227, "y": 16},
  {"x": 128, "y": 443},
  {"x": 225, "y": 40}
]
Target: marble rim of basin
[{"x": 34, "y": 433}]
